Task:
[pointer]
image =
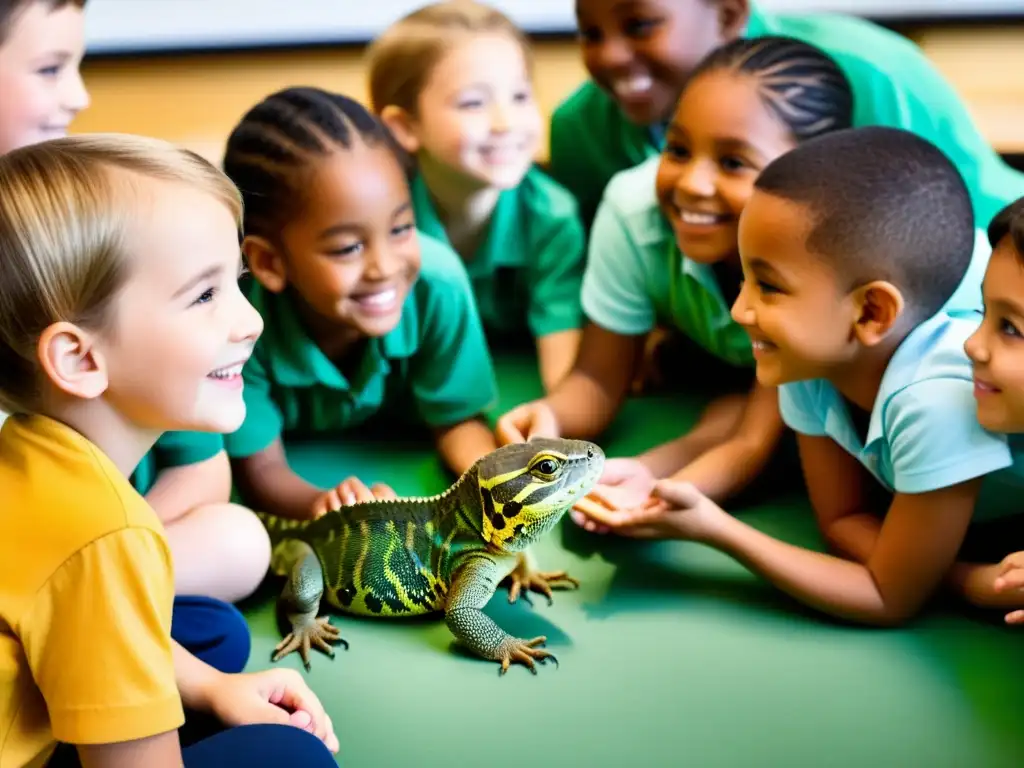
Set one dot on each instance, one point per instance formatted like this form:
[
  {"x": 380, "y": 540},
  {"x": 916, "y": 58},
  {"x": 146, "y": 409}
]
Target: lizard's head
[{"x": 525, "y": 488}]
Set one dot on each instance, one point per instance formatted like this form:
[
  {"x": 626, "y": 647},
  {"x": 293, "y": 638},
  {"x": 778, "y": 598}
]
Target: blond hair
[
  {"x": 67, "y": 210},
  {"x": 401, "y": 60}
]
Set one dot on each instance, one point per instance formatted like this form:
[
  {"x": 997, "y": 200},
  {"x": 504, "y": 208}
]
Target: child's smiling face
[
  {"x": 352, "y": 254},
  {"x": 997, "y": 347},
  {"x": 642, "y": 51},
  {"x": 41, "y": 89},
  {"x": 721, "y": 136},
  {"x": 792, "y": 305},
  {"x": 477, "y": 116},
  {"x": 181, "y": 329}
]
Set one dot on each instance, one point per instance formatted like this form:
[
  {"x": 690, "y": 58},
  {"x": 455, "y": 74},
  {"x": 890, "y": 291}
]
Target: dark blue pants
[{"x": 217, "y": 633}]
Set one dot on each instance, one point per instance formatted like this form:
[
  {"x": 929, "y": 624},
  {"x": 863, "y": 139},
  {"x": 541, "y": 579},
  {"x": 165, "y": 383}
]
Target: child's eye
[
  {"x": 205, "y": 296},
  {"x": 470, "y": 103},
  {"x": 767, "y": 287},
  {"x": 1005, "y": 326},
  {"x": 732, "y": 163},
  {"x": 402, "y": 229},
  {"x": 589, "y": 35},
  {"x": 348, "y": 250},
  {"x": 522, "y": 96},
  {"x": 676, "y": 151},
  {"x": 640, "y": 27},
  {"x": 52, "y": 71}
]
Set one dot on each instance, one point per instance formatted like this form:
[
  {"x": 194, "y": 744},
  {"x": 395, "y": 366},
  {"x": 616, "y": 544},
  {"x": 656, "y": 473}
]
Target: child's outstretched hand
[
  {"x": 1011, "y": 579},
  {"x": 349, "y": 491},
  {"x": 675, "y": 510},
  {"x": 624, "y": 484},
  {"x": 528, "y": 420},
  {"x": 271, "y": 697}
]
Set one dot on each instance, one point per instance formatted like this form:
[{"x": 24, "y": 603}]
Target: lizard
[{"x": 424, "y": 555}]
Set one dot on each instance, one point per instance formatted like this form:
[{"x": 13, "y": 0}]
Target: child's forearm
[
  {"x": 726, "y": 469},
  {"x": 854, "y": 536},
  {"x": 179, "y": 490},
  {"x": 582, "y": 406},
  {"x": 975, "y": 583},
  {"x": 269, "y": 484},
  {"x": 462, "y": 444},
  {"x": 556, "y": 353},
  {"x": 837, "y": 587}
]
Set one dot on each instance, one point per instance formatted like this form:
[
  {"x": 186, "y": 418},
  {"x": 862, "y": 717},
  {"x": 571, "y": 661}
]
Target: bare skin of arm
[
  {"x": 268, "y": 483},
  {"x": 462, "y": 444},
  {"x": 587, "y": 399},
  {"x": 556, "y": 353},
  {"x": 737, "y": 451},
  {"x": 916, "y": 546},
  {"x": 160, "y": 751},
  {"x": 179, "y": 490}
]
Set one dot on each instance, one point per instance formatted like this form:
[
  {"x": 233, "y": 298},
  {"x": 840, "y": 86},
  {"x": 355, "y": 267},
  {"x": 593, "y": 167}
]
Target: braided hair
[
  {"x": 799, "y": 83},
  {"x": 271, "y": 149}
]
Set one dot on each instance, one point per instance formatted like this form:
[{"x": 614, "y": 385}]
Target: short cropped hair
[
  {"x": 1009, "y": 222},
  {"x": 68, "y": 209},
  {"x": 401, "y": 60},
  {"x": 886, "y": 205},
  {"x": 9, "y": 10}
]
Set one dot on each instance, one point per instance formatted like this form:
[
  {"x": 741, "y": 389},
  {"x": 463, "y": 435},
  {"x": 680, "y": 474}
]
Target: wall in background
[{"x": 195, "y": 99}]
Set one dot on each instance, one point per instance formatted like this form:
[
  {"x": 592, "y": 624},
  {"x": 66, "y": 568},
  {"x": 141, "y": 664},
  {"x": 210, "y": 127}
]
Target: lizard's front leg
[
  {"x": 300, "y": 601},
  {"x": 526, "y": 576},
  {"x": 472, "y": 587}
]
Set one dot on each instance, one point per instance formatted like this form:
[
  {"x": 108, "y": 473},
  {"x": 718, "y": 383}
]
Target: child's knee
[
  {"x": 242, "y": 537},
  {"x": 212, "y": 630}
]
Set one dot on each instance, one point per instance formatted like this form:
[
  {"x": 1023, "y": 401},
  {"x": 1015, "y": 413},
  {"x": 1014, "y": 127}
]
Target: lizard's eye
[{"x": 546, "y": 467}]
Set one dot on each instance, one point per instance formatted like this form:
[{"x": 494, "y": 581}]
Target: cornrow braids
[
  {"x": 270, "y": 150},
  {"x": 802, "y": 85},
  {"x": 1009, "y": 221}
]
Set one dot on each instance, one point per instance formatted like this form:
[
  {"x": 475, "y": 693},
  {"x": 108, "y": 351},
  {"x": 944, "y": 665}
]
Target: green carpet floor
[{"x": 669, "y": 654}]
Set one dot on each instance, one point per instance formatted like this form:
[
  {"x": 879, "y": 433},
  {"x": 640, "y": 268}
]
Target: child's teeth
[
  {"x": 380, "y": 299},
  {"x": 227, "y": 373},
  {"x": 691, "y": 217},
  {"x": 632, "y": 85}
]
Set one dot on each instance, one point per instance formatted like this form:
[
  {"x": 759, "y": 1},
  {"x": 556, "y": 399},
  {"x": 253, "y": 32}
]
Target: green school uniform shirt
[
  {"x": 175, "y": 449},
  {"x": 526, "y": 274},
  {"x": 893, "y": 83},
  {"x": 434, "y": 368}
]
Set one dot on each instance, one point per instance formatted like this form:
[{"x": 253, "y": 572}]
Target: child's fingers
[
  {"x": 382, "y": 491},
  {"x": 586, "y": 523},
  {"x": 1015, "y": 617},
  {"x": 1012, "y": 561},
  {"x": 595, "y": 511},
  {"x": 1012, "y": 579}
]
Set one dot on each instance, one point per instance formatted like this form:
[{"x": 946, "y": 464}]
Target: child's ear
[
  {"x": 265, "y": 262},
  {"x": 732, "y": 17},
  {"x": 71, "y": 361},
  {"x": 880, "y": 305},
  {"x": 402, "y": 126}
]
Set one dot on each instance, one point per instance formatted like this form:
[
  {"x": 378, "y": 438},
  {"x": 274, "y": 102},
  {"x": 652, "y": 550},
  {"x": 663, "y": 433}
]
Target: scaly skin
[{"x": 447, "y": 553}]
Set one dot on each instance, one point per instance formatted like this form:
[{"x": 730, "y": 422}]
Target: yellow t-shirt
[{"x": 86, "y": 593}]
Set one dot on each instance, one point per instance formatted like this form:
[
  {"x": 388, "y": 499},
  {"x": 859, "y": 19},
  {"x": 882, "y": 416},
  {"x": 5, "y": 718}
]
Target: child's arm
[
  {"x": 586, "y": 400},
  {"x": 727, "y": 468},
  {"x": 178, "y": 490},
  {"x": 556, "y": 353},
  {"x": 462, "y": 444},
  {"x": 916, "y": 545}
]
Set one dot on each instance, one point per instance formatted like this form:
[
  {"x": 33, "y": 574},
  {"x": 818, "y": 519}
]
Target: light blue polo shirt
[
  {"x": 923, "y": 432},
  {"x": 637, "y": 278}
]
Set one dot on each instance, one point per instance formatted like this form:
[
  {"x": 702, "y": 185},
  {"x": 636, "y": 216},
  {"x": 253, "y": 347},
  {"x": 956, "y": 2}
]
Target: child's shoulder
[
  {"x": 631, "y": 200},
  {"x": 70, "y": 493},
  {"x": 857, "y": 45},
  {"x": 441, "y": 270},
  {"x": 541, "y": 196},
  {"x": 934, "y": 350},
  {"x": 583, "y": 105}
]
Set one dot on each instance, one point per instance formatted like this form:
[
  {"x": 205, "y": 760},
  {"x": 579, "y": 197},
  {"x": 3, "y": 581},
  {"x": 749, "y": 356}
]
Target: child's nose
[{"x": 696, "y": 181}]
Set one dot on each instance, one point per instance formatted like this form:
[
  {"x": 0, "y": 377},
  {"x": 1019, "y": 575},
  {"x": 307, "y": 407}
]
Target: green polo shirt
[
  {"x": 527, "y": 272},
  {"x": 175, "y": 449},
  {"x": 893, "y": 82},
  {"x": 433, "y": 369},
  {"x": 637, "y": 278}
]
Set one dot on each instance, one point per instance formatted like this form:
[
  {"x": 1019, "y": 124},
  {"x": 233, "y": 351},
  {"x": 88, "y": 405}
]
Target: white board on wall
[{"x": 115, "y": 26}]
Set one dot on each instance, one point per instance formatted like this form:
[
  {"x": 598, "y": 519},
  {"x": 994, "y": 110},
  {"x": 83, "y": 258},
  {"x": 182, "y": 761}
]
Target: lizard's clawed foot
[
  {"x": 523, "y": 652},
  {"x": 522, "y": 577},
  {"x": 318, "y": 633}
]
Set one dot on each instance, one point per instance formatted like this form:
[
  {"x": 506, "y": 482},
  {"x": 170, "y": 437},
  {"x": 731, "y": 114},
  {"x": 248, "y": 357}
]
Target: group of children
[{"x": 798, "y": 207}]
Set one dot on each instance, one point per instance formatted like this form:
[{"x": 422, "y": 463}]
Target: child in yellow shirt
[{"x": 120, "y": 318}]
